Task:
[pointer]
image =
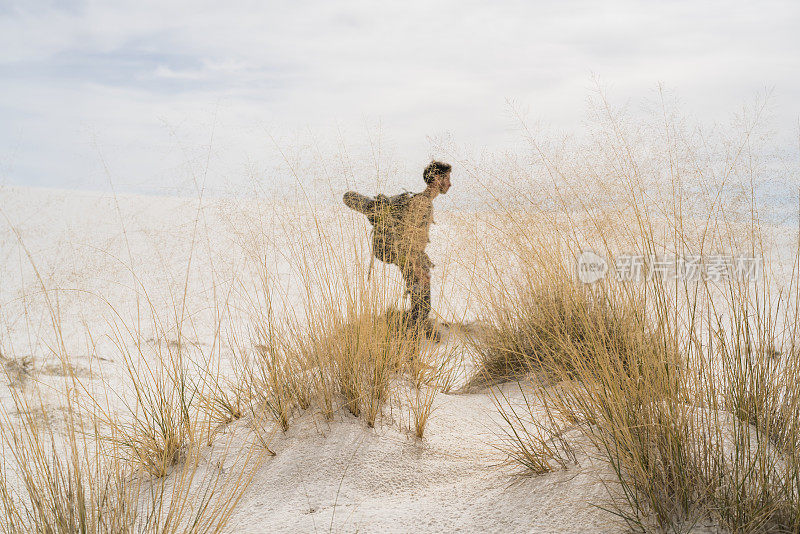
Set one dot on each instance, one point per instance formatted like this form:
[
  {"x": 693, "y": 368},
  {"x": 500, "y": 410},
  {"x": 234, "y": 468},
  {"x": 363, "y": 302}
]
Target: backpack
[{"x": 385, "y": 214}]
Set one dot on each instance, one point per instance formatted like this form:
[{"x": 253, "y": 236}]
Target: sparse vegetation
[
  {"x": 348, "y": 349},
  {"x": 88, "y": 467},
  {"x": 689, "y": 391},
  {"x": 676, "y": 383}
]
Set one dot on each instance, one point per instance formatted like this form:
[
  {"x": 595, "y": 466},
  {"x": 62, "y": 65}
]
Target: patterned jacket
[{"x": 414, "y": 232}]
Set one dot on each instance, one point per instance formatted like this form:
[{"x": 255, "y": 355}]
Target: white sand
[
  {"x": 346, "y": 477},
  {"x": 327, "y": 475}
]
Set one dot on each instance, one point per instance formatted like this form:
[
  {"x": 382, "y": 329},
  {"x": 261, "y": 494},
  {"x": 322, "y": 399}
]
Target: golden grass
[
  {"x": 688, "y": 389},
  {"x": 79, "y": 472},
  {"x": 347, "y": 352},
  {"x": 130, "y": 458},
  {"x": 97, "y": 469}
]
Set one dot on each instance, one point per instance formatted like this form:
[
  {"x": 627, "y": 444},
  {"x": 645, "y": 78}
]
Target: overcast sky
[{"x": 143, "y": 86}]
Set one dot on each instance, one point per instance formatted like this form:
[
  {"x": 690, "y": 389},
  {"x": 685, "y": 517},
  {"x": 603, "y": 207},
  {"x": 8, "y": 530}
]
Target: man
[{"x": 414, "y": 263}]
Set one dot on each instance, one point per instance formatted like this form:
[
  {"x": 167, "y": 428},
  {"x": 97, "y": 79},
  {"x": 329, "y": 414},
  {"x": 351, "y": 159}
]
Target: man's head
[{"x": 437, "y": 176}]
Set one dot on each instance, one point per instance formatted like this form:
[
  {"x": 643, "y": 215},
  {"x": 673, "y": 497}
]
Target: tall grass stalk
[
  {"x": 90, "y": 468},
  {"x": 685, "y": 387},
  {"x": 345, "y": 345}
]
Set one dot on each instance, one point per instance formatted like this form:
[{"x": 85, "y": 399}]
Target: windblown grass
[
  {"x": 80, "y": 471},
  {"x": 547, "y": 324},
  {"x": 88, "y": 466},
  {"x": 689, "y": 391},
  {"x": 349, "y": 351},
  {"x": 686, "y": 388},
  {"x": 333, "y": 339}
]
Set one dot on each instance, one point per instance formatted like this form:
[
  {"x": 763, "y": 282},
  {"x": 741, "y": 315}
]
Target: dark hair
[{"x": 434, "y": 169}]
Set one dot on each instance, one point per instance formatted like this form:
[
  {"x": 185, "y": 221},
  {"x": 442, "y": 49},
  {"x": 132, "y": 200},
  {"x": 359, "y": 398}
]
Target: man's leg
[
  {"x": 417, "y": 276},
  {"x": 421, "y": 308},
  {"x": 420, "y": 302}
]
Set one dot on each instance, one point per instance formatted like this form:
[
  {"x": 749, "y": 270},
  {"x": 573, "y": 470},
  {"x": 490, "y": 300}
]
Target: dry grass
[
  {"x": 687, "y": 389},
  {"x": 547, "y": 324},
  {"x": 128, "y": 455},
  {"x": 346, "y": 345},
  {"x": 73, "y": 473},
  {"x": 94, "y": 468},
  {"x": 352, "y": 357}
]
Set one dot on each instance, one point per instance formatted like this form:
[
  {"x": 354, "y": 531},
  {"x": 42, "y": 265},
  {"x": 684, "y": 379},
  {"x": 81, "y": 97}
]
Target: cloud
[{"x": 125, "y": 75}]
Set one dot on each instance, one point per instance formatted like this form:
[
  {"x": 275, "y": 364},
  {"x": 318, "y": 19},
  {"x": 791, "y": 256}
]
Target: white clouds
[
  {"x": 423, "y": 68},
  {"x": 209, "y": 71}
]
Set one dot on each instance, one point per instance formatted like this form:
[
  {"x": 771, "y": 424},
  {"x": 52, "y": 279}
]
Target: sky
[{"x": 133, "y": 94}]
